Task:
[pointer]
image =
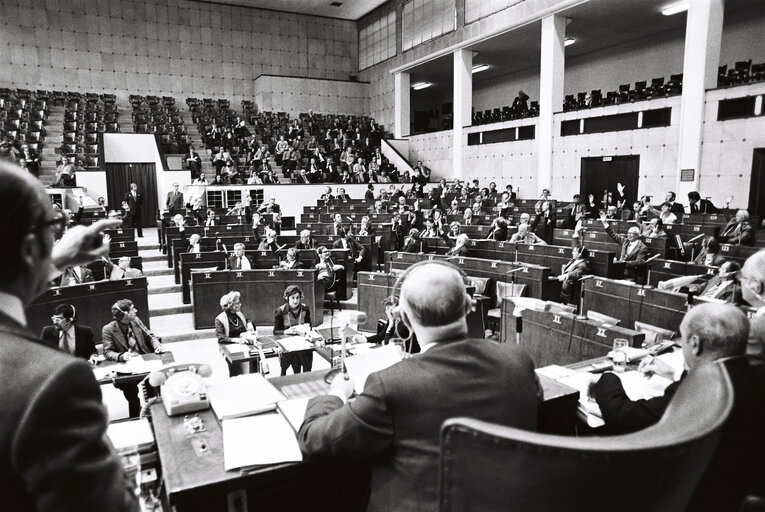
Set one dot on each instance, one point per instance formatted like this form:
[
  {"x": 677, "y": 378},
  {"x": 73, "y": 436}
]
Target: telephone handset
[{"x": 182, "y": 388}]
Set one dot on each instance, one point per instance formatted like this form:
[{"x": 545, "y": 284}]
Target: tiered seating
[
  {"x": 742, "y": 72},
  {"x": 505, "y": 113},
  {"x": 625, "y": 94},
  {"x": 23, "y": 115},
  {"x": 85, "y": 116},
  {"x": 152, "y": 114}
]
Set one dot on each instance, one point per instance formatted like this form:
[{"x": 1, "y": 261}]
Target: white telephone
[{"x": 182, "y": 388}]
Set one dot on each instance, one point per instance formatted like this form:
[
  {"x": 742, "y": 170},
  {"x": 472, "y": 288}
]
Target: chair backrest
[
  {"x": 507, "y": 290},
  {"x": 600, "y": 317},
  {"x": 652, "y": 333},
  {"x": 487, "y": 467},
  {"x": 479, "y": 283}
]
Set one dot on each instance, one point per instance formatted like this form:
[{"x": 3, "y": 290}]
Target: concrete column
[
  {"x": 463, "y": 104},
  {"x": 703, "y": 35},
  {"x": 551, "y": 75},
  {"x": 402, "y": 105}
]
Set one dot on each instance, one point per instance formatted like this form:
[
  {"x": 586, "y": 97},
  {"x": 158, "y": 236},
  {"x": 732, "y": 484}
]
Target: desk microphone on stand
[
  {"x": 648, "y": 262},
  {"x": 346, "y": 318}
]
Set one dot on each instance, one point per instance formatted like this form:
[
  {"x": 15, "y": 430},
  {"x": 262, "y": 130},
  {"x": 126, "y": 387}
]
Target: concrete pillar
[
  {"x": 703, "y": 36},
  {"x": 463, "y": 104},
  {"x": 402, "y": 105},
  {"x": 551, "y": 75}
]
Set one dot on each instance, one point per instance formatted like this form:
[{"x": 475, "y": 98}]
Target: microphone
[
  {"x": 653, "y": 257},
  {"x": 224, "y": 248},
  {"x": 517, "y": 269}
]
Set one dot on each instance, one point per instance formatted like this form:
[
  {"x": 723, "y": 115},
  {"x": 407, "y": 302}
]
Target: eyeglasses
[{"x": 58, "y": 222}]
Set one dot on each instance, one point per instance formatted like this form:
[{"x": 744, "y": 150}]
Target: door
[
  {"x": 118, "y": 180},
  {"x": 601, "y": 174},
  {"x": 757, "y": 186}
]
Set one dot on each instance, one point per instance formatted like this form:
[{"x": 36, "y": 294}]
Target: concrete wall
[{"x": 296, "y": 95}]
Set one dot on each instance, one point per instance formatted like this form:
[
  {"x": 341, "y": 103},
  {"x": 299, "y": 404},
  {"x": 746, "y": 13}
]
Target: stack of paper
[
  {"x": 293, "y": 411},
  {"x": 360, "y": 366},
  {"x": 262, "y": 439},
  {"x": 242, "y": 395},
  {"x": 130, "y": 436},
  {"x": 295, "y": 344},
  {"x": 137, "y": 365}
]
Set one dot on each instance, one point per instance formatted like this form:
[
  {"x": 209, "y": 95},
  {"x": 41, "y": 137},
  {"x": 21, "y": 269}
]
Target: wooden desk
[
  {"x": 134, "y": 378},
  {"x": 92, "y": 301},
  {"x": 194, "y": 478},
  {"x": 373, "y": 288},
  {"x": 261, "y": 290}
]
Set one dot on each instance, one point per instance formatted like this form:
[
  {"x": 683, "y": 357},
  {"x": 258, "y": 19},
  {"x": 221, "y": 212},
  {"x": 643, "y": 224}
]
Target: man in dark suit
[
  {"x": 238, "y": 260},
  {"x": 134, "y": 202},
  {"x": 55, "y": 456},
  {"x": 738, "y": 231},
  {"x": 633, "y": 253},
  {"x": 571, "y": 273},
  {"x": 194, "y": 162},
  {"x": 77, "y": 274},
  {"x": 175, "y": 199},
  {"x": 396, "y": 421},
  {"x": 710, "y": 332},
  {"x": 127, "y": 337},
  {"x": 306, "y": 241},
  {"x": 66, "y": 335},
  {"x": 698, "y": 205},
  {"x": 676, "y": 208},
  {"x": 414, "y": 242},
  {"x": 356, "y": 251}
]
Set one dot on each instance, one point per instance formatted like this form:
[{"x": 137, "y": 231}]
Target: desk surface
[
  {"x": 192, "y": 464},
  {"x": 126, "y": 378}
]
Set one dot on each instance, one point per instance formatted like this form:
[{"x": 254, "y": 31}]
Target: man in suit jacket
[
  {"x": 698, "y": 205},
  {"x": 396, "y": 421},
  {"x": 124, "y": 338},
  {"x": 194, "y": 162},
  {"x": 572, "y": 272},
  {"x": 238, "y": 260},
  {"x": 356, "y": 251},
  {"x": 633, "y": 253},
  {"x": 134, "y": 201},
  {"x": 710, "y": 332},
  {"x": 67, "y": 336},
  {"x": 738, "y": 231},
  {"x": 677, "y": 208},
  {"x": 306, "y": 241},
  {"x": 460, "y": 247},
  {"x": 77, "y": 274},
  {"x": 122, "y": 270},
  {"x": 53, "y": 455},
  {"x": 175, "y": 199}
]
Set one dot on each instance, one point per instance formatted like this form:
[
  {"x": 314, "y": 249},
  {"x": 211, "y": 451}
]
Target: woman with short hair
[
  {"x": 287, "y": 320},
  {"x": 229, "y": 327}
]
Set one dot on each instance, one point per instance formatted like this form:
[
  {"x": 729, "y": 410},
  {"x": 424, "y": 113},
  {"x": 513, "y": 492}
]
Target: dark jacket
[
  {"x": 83, "y": 340},
  {"x": 634, "y": 260}
]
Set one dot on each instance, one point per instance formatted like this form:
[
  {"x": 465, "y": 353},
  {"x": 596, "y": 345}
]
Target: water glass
[{"x": 619, "y": 354}]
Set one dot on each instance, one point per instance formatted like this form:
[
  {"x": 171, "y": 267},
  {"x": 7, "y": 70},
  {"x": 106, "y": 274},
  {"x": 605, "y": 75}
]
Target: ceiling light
[
  {"x": 675, "y": 9},
  {"x": 336, "y": 4},
  {"x": 569, "y": 41},
  {"x": 480, "y": 67},
  {"x": 421, "y": 85}
]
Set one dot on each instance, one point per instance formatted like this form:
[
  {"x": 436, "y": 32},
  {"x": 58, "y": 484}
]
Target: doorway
[
  {"x": 600, "y": 174},
  {"x": 118, "y": 180},
  {"x": 757, "y": 186}
]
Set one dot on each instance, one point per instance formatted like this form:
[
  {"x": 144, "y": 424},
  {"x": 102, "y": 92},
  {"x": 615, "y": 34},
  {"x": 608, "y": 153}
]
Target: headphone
[
  {"x": 395, "y": 296},
  {"x": 117, "y": 312}
]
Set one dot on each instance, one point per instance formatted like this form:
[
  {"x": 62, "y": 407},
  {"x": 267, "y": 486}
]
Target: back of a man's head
[
  {"x": 433, "y": 294},
  {"x": 753, "y": 279},
  {"x": 721, "y": 330},
  {"x": 22, "y": 195}
]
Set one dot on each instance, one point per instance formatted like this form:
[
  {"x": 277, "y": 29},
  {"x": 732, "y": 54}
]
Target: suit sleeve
[
  {"x": 155, "y": 343},
  {"x": 88, "y": 342},
  {"x": 640, "y": 258},
  {"x": 362, "y": 428},
  {"x": 110, "y": 348},
  {"x": 623, "y": 415},
  {"x": 279, "y": 326},
  {"x": 615, "y": 236},
  {"x": 61, "y": 451},
  {"x": 220, "y": 332}
]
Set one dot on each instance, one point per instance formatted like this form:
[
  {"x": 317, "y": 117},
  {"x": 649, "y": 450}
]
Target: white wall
[
  {"x": 297, "y": 95},
  {"x": 435, "y": 151}
]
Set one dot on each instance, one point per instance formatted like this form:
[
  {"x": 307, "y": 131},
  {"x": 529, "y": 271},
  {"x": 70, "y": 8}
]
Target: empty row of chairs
[
  {"x": 742, "y": 72},
  {"x": 626, "y": 94},
  {"x": 505, "y": 113}
]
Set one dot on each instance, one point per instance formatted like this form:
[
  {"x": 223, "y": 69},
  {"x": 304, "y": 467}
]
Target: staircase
[{"x": 54, "y": 137}]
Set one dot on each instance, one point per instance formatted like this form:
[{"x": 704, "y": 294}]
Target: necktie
[
  {"x": 75, "y": 276},
  {"x": 64, "y": 342},
  {"x": 238, "y": 263},
  {"x": 132, "y": 343}
]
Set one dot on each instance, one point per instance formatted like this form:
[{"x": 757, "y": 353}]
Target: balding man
[
  {"x": 739, "y": 231},
  {"x": 525, "y": 235},
  {"x": 752, "y": 278},
  {"x": 53, "y": 455},
  {"x": 634, "y": 252},
  {"x": 710, "y": 332},
  {"x": 397, "y": 419}
]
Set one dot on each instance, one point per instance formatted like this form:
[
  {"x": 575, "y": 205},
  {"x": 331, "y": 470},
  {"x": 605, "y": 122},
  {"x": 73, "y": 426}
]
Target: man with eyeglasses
[{"x": 57, "y": 457}]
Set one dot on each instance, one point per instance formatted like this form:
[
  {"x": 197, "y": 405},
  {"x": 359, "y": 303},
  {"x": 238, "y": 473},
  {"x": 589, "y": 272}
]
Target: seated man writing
[{"x": 396, "y": 421}]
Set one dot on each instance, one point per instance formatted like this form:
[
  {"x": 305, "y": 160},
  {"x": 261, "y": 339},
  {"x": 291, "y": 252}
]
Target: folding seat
[
  {"x": 640, "y": 90},
  {"x": 91, "y": 149},
  {"x": 91, "y": 161},
  {"x": 581, "y": 100},
  {"x": 91, "y": 116},
  {"x": 624, "y": 93},
  {"x": 657, "y": 87},
  {"x": 69, "y": 149},
  {"x": 37, "y": 125},
  {"x": 33, "y": 136},
  {"x": 91, "y": 127},
  {"x": 91, "y": 138},
  {"x": 34, "y": 147},
  {"x": 112, "y": 128},
  {"x": 675, "y": 85},
  {"x": 70, "y": 137},
  {"x": 757, "y": 72}
]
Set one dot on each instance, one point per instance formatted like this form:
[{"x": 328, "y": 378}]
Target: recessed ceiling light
[
  {"x": 569, "y": 41},
  {"x": 421, "y": 85},
  {"x": 480, "y": 67},
  {"x": 336, "y": 4},
  {"x": 675, "y": 9}
]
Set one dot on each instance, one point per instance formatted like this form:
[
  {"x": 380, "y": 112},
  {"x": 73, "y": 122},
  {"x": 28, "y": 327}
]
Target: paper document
[
  {"x": 295, "y": 344},
  {"x": 132, "y": 435},
  {"x": 242, "y": 395},
  {"x": 638, "y": 387},
  {"x": 238, "y": 348},
  {"x": 255, "y": 440},
  {"x": 587, "y": 407},
  {"x": 554, "y": 371},
  {"x": 294, "y": 411},
  {"x": 101, "y": 372},
  {"x": 360, "y": 366},
  {"x": 362, "y": 348},
  {"x": 137, "y": 365}
]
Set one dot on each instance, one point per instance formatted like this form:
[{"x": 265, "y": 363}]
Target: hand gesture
[
  {"x": 342, "y": 386},
  {"x": 81, "y": 245},
  {"x": 650, "y": 366},
  {"x": 620, "y": 188}
]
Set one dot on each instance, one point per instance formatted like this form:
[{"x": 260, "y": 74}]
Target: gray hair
[
  {"x": 434, "y": 294},
  {"x": 723, "y": 329},
  {"x": 228, "y": 300}
]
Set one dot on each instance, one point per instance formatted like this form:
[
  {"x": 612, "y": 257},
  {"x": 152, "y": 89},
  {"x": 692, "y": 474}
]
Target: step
[
  {"x": 152, "y": 257},
  {"x": 163, "y": 284},
  {"x": 163, "y": 304},
  {"x": 157, "y": 272},
  {"x": 178, "y": 327}
]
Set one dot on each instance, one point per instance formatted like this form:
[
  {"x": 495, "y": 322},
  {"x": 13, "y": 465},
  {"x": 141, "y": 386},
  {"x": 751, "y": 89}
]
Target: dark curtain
[{"x": 118, "y": 180}]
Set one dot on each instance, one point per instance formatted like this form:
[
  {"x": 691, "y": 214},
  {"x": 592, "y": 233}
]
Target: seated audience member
[
  {"x": 306, "y": 240},
  {"x": 287, "y": 318},
  {"x": 201, "y": 180},
  {"x": 414, "y": 242},
  {"x": 376, "y": 208},
  {"x": 369, "y": 195},
  {"x": 356, "y": 251},
  {"x": 76, "y": 275},
  {"x": 723, "y": 286},
  {"x": 392, "y": 329},
  {"x": 698, "y": 205},
  {"x": 194, "y": 162},
  {"x": 194, "y": 246},
  {"x": 752, "y": 278},
  {"x": 612, "y": 213},
  {"x": 342, "y": 196},
  {"x": 66, "y": 335},
  {"x": 709, "y": 255},
  {"x": 525, "y": 218},
  {"x": 633, "y": 251},
  {"x": 577, "y": 212},
  {"x": 229, "y": 327},
  {"x": 291, "y": 261},
  {"x": 127, "y": 337},
  {"x": 666, "y": 215},
  {"x": 738, "y": 231},
  {"x": 366, "y": 228},
  {"x": 328, "y": 269},
  {"x": 454, "y": 230},
  {"x": 709, "y": 332},
  {"x": 269, "y": 243},
  {"x": 499, "y": 233},
  {"x": 576, "y": 268},
  {"x": 467, "y": 218},
  {"x": 430, "y": 231},
  {"x": 396, "y": 421},
  {"x": 122, "y": 270},
  {"x": 460, "y": 247},
  {"x": 455, "y": 208},
  {"x": 525, "y": 235},
  {"x": 238, "y": 260},
  {"x": 674, "y": 207},
  {"x": 654, "y": 228}
]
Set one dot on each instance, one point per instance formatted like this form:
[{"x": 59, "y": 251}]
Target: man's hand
[
  {"x": 594, "y": 378},
  {"x": 603, "y": 219},
  {"x": 620, "y": 188},
  {"x": 650, "y": 366},
  {"x": 342, "y": 387},
  {"x": 159, "y": 349},
  {"x": 81, "y": 245}
]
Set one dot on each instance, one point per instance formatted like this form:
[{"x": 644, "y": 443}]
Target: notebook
[{"x": 243, "y": 395}]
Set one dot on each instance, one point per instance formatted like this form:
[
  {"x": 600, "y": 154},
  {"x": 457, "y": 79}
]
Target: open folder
[
  {"x": 243, "y": 395},
  {"x": 255, "y": 440}
]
